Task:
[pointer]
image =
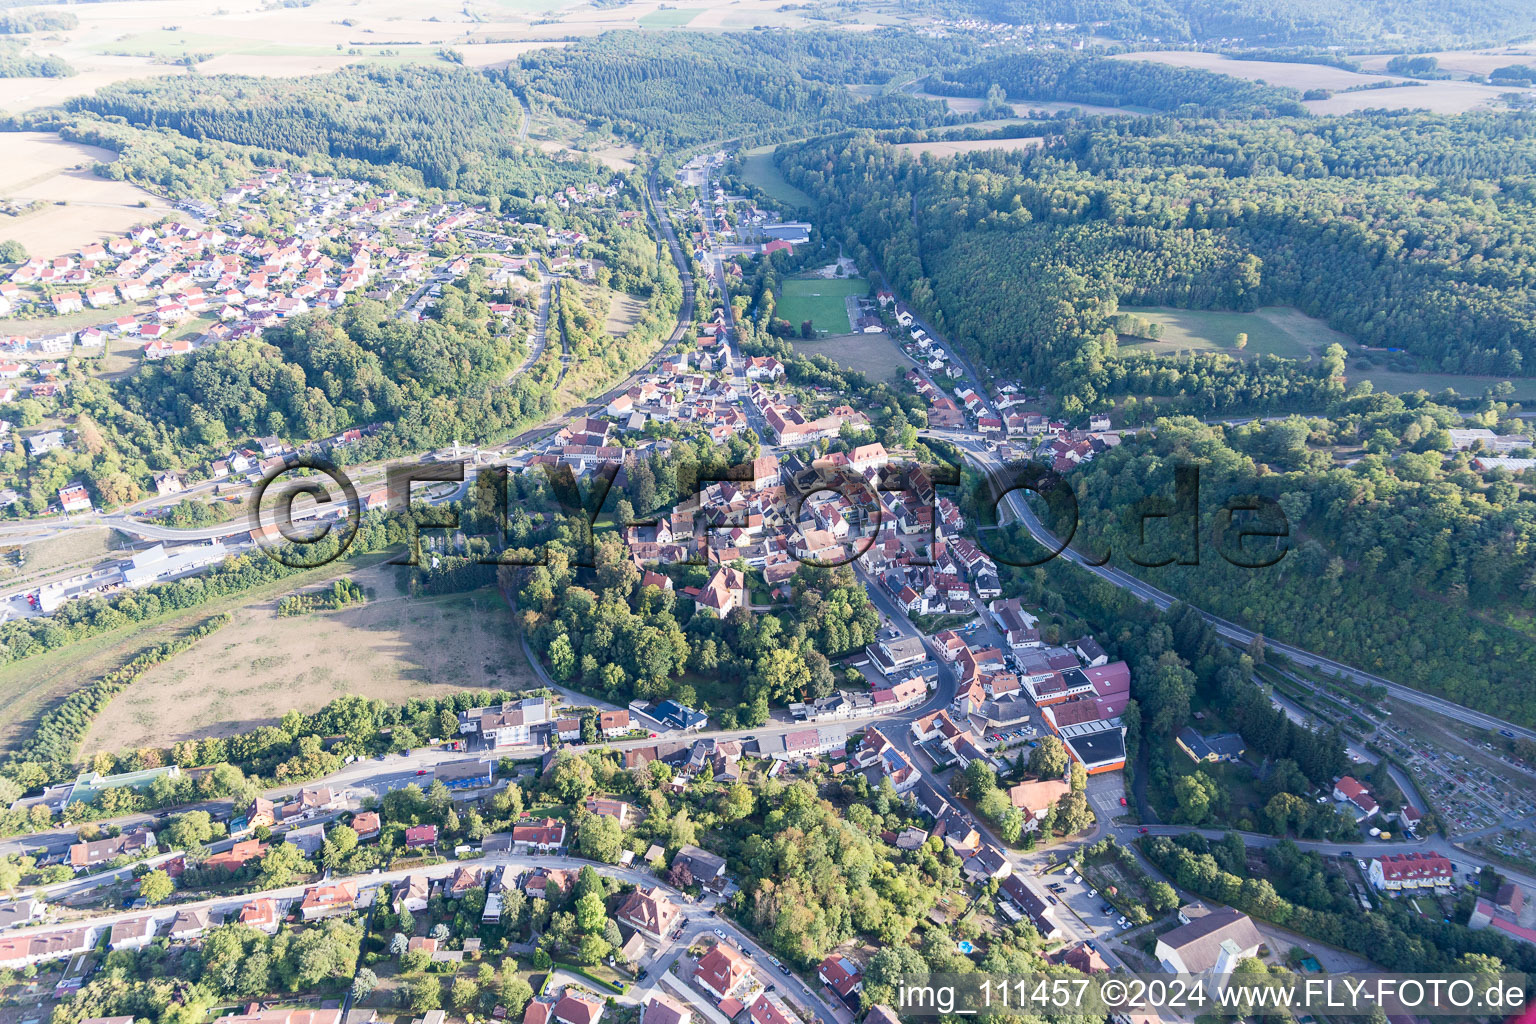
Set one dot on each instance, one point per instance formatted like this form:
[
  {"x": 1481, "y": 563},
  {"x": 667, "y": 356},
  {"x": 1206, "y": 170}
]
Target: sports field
[{"x": 821, "y": 300}]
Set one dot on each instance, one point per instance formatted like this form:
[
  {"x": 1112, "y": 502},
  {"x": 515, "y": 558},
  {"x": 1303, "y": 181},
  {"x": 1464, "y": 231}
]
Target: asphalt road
[{"x": 1227, "y": 629}]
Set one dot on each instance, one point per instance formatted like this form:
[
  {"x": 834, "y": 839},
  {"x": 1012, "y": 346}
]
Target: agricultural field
[
  {"x": 759, "y": 169},
  {"x": 1294, "y": 76},
  {"x": 668, "y": 17},
  {"x": 78, "y": 207},
  {"x": 821, "y": 300},
  {"x": 1024, "y": 107},
  {"x": 1447, "y": 97},
  {"x": 1463, "y": 62},
  {"x": 955, "y": 147},
  {"x": 1271, "y": 330},
  {"x": 1436, "y": 97},
  {"x": 874, "y": 355},
  {"x": 393, "y": 647}
]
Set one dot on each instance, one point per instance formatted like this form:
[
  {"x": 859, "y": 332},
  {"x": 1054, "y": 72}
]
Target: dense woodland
[
  {"x": 17, "y": 62},
  {"x": 1023, "y": 258},
  {"x": 684, "y": 89},
  {"x": 1404, "y": 564},
  {"x": 1413, "y": 23},
  {"x": 454, "y": 127},
  {"x": 1105, "y": 82},
  {"x": 17, "y": 22}
]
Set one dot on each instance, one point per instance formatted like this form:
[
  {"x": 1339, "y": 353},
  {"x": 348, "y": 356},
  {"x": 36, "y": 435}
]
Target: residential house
[
  {"x": 133, "y": 932},
  {"x": 650, "y": 913},
  {"x": 621, "y": 812},
  {"x": 841, "y": 975},
  {"x": 704, "y": 867},
  {"x": 25, "y": 948},
  {"x": 987, "y": 862},
  {"x": 545, "y": 835},
  {"x": 237, "y": 856},
  {"x": 1035, "y": 799},
  {"x": 1395, "y": 872},
  {"x": 661, "y": 1008},
  {"x": 308, "y": 839},
  {"x": 461, "y": 882},
  {"x": 328, "y": 900},
  {"x": 412, "y": 892},
  {"x": 188, "y": 924},
  {"x": 22, "y": 911},
  {"x": 1348, "y": 790},
  {"x": 263, "y": 916},
  {"x": 577, "y": 1009},
  {"x": 725, "y": 591},
  {"x": 768, "y": 1008},
  {"x": 895, "y": 655},
  {"x": 723, "y": 972},
  {"x": 83, "y": 856}
]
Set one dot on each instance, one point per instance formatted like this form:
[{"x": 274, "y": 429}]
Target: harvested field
[
  {"x": 1450, "y": 97},
  {"x": 44, "y": 168},
  {"x": 1295, "y": 76},
  {"x": 955, "y": 147},
  {"x": 260, "y": 665},
  {"x": 1023, "y": 107},
  {"x": 1437, "y": 97},
  {"x": 1464, "y": 62}
]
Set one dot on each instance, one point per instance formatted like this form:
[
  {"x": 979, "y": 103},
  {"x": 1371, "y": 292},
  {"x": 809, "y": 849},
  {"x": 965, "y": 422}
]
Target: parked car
[{"x": 719, "y": 933}]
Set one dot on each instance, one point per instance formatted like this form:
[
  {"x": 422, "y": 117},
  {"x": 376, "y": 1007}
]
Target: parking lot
[
  {"x": 1104, "y": 795},
  {"x": 1078, "y": 904}
]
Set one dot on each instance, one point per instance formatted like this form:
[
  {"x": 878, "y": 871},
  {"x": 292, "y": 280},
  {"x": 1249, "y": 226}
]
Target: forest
[
  {"x": 18, "y": 22},
  {"x": 16, "y": 62},
  {"x": 681, "y": 89},
  {"x": 455, "y": 128},
  {"x": 1417, "y": 24},
  {"x": 1105, "y": 82},
  {"x": 1022, "y": 259},
  {"x": 1404, "y": 563}
]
